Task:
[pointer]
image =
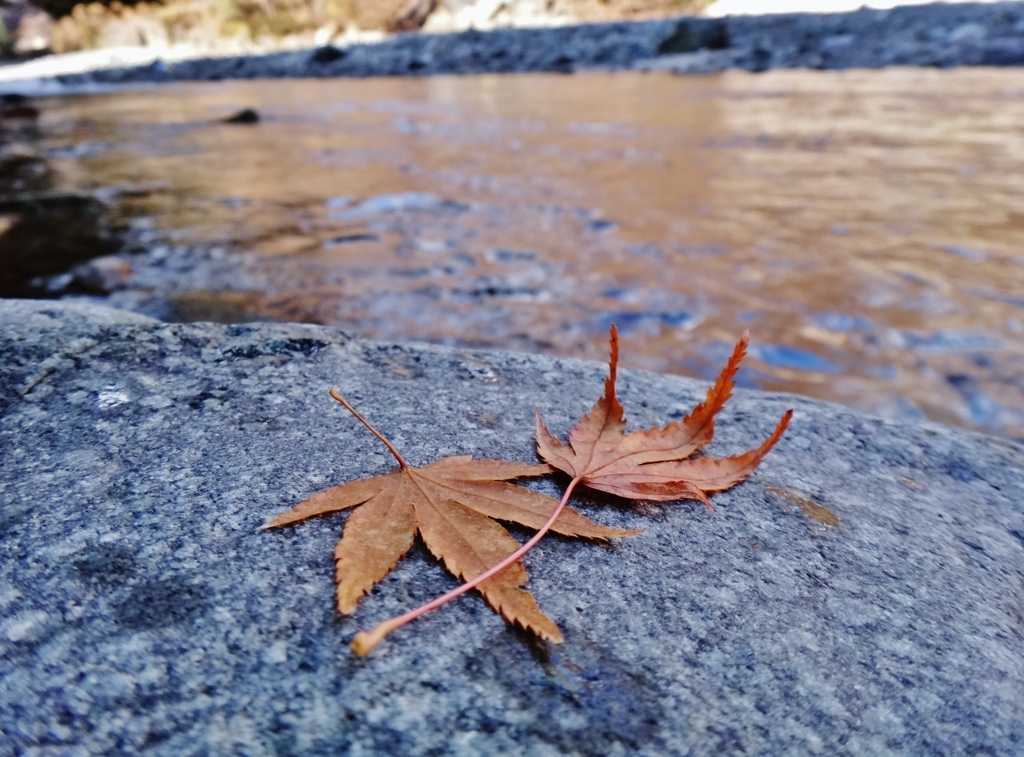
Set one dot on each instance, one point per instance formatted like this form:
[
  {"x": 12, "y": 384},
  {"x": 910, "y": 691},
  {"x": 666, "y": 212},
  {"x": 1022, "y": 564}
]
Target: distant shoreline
[{"x": 941, "y": 35}]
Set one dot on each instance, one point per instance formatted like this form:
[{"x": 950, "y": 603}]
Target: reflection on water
[
  {"x": 43, "y": 230},
  {"x": 867, "y": 227}
]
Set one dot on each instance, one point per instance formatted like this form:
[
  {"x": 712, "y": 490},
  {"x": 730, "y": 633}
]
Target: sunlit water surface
[{"x": 867, "y": 227}]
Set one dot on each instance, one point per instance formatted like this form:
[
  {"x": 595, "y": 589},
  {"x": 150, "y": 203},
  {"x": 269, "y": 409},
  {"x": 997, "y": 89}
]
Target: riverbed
[{"x": 865, "y": 226}]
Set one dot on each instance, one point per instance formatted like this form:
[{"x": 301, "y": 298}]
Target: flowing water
[{"x": 866, "y": 226}]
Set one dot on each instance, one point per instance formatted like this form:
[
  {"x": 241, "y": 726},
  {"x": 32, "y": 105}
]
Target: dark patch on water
[
  {"x": 961, "y": 381},
  {"x": 631, "y": 322},
  {"x": 244, "y": 116},
  {"x": 497, "y": 291},
  {"x": 48, "y": 234},
  {"x": 619, "y": 293},
  {"x": 349, "y": 239},
  {"x": 783, "y": 356},
  {"x": 600, "y": 225}
]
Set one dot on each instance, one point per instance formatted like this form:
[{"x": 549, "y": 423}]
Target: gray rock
[
  {"x": 141, "y": 611},
  {"x": 944, "y": 35},
  {"x": 695, "y": 34}
]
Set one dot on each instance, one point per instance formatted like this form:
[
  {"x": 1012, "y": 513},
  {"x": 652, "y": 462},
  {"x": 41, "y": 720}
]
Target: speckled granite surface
[{"x": 142, "y": 612}]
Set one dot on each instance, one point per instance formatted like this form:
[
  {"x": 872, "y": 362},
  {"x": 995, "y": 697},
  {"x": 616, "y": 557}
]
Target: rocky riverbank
[
  {"x": 144, "y": 612},
  {"x": 989, "y": 34}
]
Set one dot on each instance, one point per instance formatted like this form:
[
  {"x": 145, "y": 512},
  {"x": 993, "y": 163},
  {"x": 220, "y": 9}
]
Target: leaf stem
[
  {"x": 364, "y": 642},
  {"x": 335, "y": 395}
]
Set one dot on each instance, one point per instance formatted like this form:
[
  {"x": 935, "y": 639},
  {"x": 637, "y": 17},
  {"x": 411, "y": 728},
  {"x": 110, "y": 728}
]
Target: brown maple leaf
[
  {"x": 653, "y": 464},
  {"x": 451, "y": 503}
]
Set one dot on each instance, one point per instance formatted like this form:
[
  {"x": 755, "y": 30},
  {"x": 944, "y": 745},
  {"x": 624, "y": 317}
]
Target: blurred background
[
  {"x": 33, "y": 27},
  {"x": 67, "y": 25},
  {"x": 865, "y": 225}
]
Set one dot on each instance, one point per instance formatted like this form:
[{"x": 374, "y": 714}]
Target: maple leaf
[
  {"x": 452, "y": 504},
  {"x": 653, "y": 464}
]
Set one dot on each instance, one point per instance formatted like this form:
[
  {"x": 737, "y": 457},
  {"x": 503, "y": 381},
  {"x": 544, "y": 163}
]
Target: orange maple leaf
[
  {"x": 653, "y": 464},
  {"x": 451, "y": 504}
]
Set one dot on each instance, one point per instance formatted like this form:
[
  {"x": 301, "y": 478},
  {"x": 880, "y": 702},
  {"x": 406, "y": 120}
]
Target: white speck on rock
[
  {"x": 110, "y": 396},
  {"x": 276, "y": 652},
  {"x": 156, "y": 401},
  {"x": 8, "y": 595},
  {"x": 20, "y": 627}
]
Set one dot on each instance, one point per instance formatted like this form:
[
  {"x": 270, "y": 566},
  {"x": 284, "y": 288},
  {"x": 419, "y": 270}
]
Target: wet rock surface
[
  {"x": 987, "y": 34},
  {"x": 143, "y": 612}
]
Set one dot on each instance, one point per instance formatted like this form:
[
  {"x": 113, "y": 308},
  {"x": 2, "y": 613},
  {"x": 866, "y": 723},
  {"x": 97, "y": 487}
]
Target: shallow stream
[{"x": 866, "y": 226}]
